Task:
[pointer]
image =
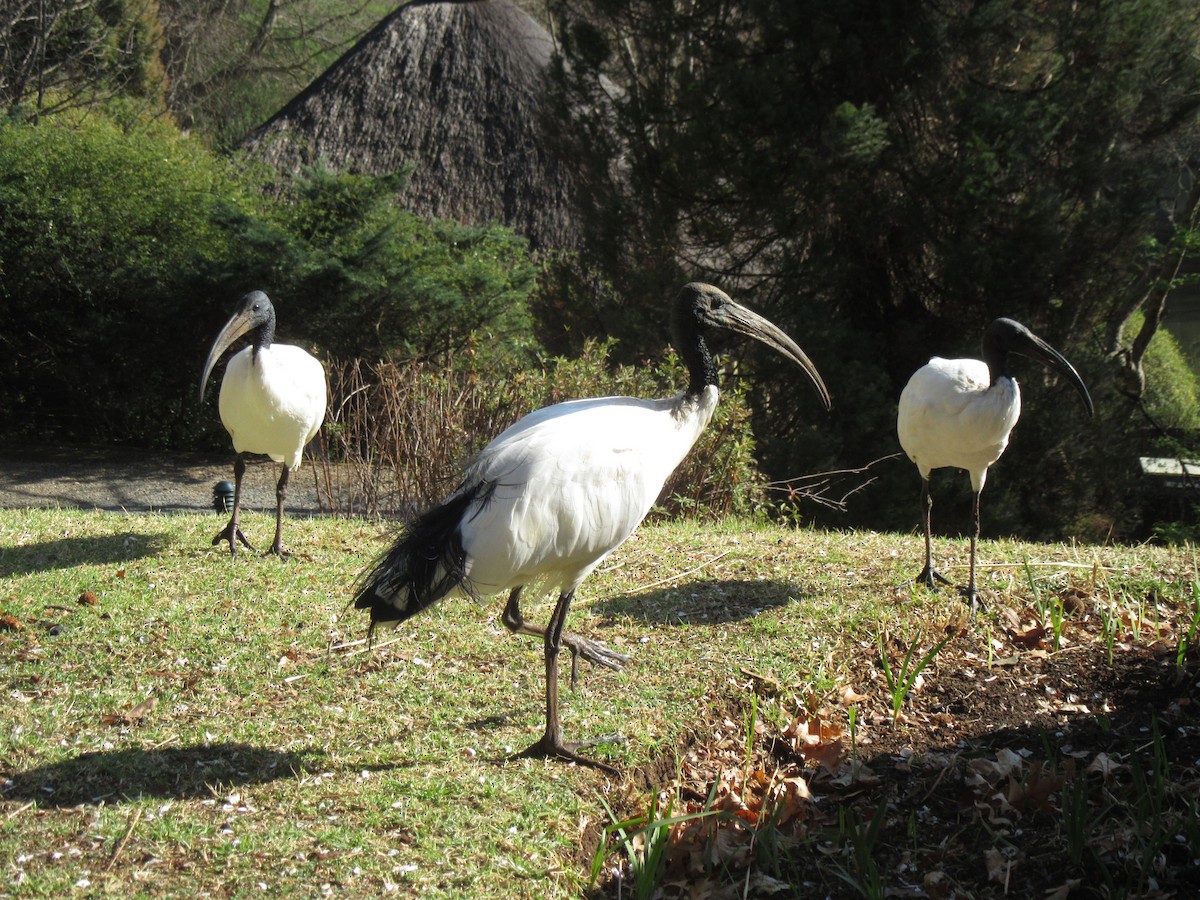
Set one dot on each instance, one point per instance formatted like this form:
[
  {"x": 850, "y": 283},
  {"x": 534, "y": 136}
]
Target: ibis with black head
[
  {"x": 272, "y": 403},
  {"x": 554, "y": 494},
  {"x": 959, "y": 413}
]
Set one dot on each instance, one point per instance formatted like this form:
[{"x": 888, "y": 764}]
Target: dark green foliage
[
  {"x": 121, "y": 254},
  {"x": 883, "y": 180},
  {"x": 100, "y": 232},
  {"x": 363, "y": 278}
]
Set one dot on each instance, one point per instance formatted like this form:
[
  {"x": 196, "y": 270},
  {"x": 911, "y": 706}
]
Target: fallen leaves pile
[{"x": 1050, "y": 754}]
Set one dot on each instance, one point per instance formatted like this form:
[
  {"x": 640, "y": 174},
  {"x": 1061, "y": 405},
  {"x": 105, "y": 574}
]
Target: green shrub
[
  {"x": 1172, "y": 389},
  {"x": 100, "y": 231},
  {"x": 122, "y": 253}
]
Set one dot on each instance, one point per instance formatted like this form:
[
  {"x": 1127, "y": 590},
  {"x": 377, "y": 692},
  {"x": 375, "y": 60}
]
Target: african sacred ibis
[
  {"x": 272, "y": 403},
  {"x": 549, "y": 498},
  {"x": 960, "y": 412}
]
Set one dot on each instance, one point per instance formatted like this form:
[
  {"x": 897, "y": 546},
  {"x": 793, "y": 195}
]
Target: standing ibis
[
  {"x": 549, "y": 498},
  {"x": 272, "y": 403},
  {"x": 960, "y": 412}
]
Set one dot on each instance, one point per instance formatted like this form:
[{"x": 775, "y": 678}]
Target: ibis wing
[
  {"x": 950, "y": 415},
  {"x": 568, "y": 484}
]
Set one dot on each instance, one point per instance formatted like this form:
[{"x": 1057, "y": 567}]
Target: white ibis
[
  {"x": 960, "y": 412},
  {"x": 548, "y": 499},
  {"x": 272, "y": 403}
]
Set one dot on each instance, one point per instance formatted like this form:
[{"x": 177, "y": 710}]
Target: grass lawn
[{"x": 182, "y": 723}]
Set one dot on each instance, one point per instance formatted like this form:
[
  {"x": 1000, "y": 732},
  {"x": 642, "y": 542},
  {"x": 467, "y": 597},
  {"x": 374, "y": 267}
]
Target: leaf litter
[{"x": 1044, "y": 752}]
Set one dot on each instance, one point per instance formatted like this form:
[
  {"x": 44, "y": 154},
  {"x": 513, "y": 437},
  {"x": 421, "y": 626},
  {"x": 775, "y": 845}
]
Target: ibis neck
[
  {"x": 997, "y": 371},
  {"x": 702, "y": 370},
  {"x": 996, "y": 357},
  {"x": 262, "y": 336}
]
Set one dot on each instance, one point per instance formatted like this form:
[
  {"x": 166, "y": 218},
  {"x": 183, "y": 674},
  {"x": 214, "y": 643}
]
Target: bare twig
[
  {"x": 678, "y": 575},
  {"x": 133, "y": 820},
  {"x": 365, "y": 649},
  {"x": 815, "y": 486}
]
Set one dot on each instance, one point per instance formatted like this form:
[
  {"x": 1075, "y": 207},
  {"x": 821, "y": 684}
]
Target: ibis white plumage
[
  {"x": 549, "y": 498},
  {"x": 960, "y": 413},
  {"x": 272, "y": 403}
]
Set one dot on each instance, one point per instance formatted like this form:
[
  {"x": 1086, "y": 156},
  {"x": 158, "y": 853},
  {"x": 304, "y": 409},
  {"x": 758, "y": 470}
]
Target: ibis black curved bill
[
  {"x": 253, "y": 311},
  {"x": 1007, "y": 335},
  {"x": 735, "y": 317}
]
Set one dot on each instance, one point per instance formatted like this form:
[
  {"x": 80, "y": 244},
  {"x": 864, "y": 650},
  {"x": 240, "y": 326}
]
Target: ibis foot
[
  {"x": 232, "y": 533},
  {"x": 594, "y": 652},
  {"x": 973, "y": 599},
  {"x": 278, "y": 550},
  {"x": 547, "y": 747},
  {"x": 931, "y": 578}
]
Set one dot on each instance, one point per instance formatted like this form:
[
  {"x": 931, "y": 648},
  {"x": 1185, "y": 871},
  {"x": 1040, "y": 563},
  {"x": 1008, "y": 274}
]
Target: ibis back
[{"x": 949, "y": 415}]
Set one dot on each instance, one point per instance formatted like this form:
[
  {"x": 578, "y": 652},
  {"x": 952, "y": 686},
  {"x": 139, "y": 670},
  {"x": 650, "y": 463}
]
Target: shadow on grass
[
  {"x": 700, "y": 602},
  {"x": 66, "y": 552},
  {"x": 175, "y": 772}
]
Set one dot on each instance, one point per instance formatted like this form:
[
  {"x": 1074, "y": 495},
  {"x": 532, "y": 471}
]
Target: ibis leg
[
  {"x": 592, "y": 651},
  {"x": 969, "y": 592},
  {"x": 280, "y": 496},
  {"x": 551, "y": 742},
  {"x": 929, "y": 576},
  {"x": 233, "y": 531}
]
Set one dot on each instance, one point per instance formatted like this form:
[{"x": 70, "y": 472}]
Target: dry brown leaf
[
  {"x": 938, "y": 885},
  {"x": 1034, "y": 792},
  {"x": 730, "y": 847},
  {"x": 793, "y": 799},
  {"x": 1105, "y": 766},
  {"x": 87, "y": 598},
  {"x": 849, "y": 696},
  {"x": 855, "y": 773},
  {"x": 817, "y": 741},
  {"x": 762, "y": 885},
  {"x": 999, "y": 866},
  {"x": 1029, "y": 638},
  {"x": 134, "y": 716},
  {"x": 989, "y": 773},
  {"x": 10, "y": 622},
  {"x": 829, "y": 756}
]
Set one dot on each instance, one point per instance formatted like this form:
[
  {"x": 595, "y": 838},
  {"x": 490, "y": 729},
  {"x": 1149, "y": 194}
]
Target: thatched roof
[{"x": 454, "y": 88}]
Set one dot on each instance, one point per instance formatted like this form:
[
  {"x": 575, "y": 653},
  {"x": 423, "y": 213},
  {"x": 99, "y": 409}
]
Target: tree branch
[{"x": 1130, "y": 375}]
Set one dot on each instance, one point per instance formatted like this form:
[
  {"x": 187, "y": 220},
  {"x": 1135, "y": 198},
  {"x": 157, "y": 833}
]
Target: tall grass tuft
[{"x": 397, "y": 434}]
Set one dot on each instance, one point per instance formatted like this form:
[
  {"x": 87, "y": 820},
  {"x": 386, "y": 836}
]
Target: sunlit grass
[{"x": 279, "y": 751}]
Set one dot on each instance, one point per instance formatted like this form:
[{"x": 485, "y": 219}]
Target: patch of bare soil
[{"x": 1026, "y": 761}]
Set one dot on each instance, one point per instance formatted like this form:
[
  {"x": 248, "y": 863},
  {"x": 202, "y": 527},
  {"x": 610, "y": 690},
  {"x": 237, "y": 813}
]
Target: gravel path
[{"x": 140, "y": 481}]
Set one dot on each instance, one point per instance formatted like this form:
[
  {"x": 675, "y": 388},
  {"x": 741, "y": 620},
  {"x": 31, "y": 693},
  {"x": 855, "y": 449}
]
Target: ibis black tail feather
[{"x": 426, "y": 562}]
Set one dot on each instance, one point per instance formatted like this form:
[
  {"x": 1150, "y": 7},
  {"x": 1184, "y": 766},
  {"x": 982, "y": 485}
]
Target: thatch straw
[{"x": 453, "y": 88}]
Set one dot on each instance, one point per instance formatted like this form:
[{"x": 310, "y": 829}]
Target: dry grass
[{"x": 383, "y": 416}]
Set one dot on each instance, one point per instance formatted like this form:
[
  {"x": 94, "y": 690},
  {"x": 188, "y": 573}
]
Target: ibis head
[
  {"x": 702, "y": 306},
  {"x": 1005, "y": 336},
  {"x": 254, "y": 313}
]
